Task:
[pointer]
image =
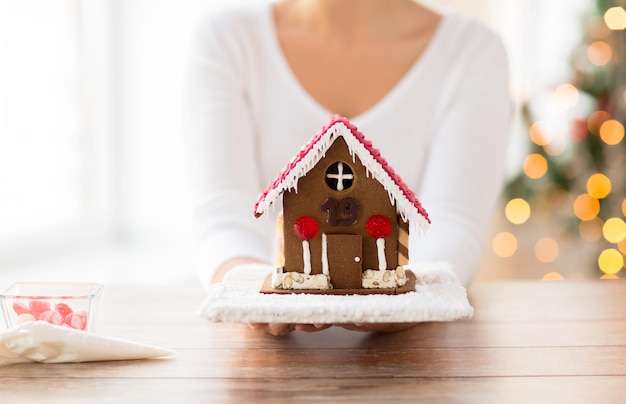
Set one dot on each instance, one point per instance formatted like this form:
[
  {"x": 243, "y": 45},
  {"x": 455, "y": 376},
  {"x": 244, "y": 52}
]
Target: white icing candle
[
  {"x": 306, "y": 257},
  {"x": 324, "y": 255},
  {"x": 382, "y": 261}
]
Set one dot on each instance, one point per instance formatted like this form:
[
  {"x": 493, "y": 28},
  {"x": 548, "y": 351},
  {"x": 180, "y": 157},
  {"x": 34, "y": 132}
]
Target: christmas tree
[{"x": 578, "y": 181}]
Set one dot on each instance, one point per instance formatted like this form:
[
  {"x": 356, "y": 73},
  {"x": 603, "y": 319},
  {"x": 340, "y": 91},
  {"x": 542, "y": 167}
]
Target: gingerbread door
[{"x": 345, "y": 260}]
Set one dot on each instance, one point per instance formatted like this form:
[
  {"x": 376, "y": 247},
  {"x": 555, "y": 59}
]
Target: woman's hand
[
  {"x": 378, "y": 327},
  {"x": 280, "y": 329}
]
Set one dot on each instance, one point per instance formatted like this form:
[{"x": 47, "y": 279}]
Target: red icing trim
[{"x": 406, "y": 191}]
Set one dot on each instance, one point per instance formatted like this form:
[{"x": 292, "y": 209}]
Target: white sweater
[{"x": 443, "y": 128}]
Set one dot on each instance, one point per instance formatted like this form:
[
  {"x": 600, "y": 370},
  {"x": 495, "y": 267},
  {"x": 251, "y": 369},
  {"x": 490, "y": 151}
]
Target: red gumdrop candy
[
  {"x": 37, "y": 307},
  {"x": 378, "y": 226},
  {"x": 77, "y": 320},
  {"x": 305, "y": 227},
  {"x": 20, "y": 308},
  {"x": 63, "y": 308},
  {"x": 52, "y": 317}
]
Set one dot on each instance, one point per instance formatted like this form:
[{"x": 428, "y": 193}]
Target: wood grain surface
[{"x": 529, "y": 341}]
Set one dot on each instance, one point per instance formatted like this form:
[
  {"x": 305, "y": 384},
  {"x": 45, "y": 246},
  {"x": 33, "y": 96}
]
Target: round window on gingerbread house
[{"x": 339, "y": 176}]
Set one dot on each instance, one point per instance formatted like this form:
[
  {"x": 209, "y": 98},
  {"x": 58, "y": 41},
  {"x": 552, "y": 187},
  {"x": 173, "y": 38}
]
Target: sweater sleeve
[
  {"x": 464, "y": 174},
  {"x": 222, "y": 160}
]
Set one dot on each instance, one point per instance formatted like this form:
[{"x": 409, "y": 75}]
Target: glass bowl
[{"x": 73, "y": 305}]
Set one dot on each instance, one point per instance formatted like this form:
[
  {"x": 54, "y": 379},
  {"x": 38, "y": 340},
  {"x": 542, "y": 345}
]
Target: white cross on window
[{"x": 340, "y": 176}]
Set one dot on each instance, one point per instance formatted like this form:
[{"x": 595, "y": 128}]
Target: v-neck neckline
[{"x": 314, "y": 105}]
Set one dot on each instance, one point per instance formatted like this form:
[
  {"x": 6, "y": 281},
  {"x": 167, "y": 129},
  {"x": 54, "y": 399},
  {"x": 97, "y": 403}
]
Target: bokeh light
[
  {"x": 622, "y": 246},
  {"x": 553, "y": 276},
  {"x": 624, "y": 206},
  {"x": 614, "y": 230},
  {"x": 546, "y": 250},
  {"x": 504, "y": 244},
  {"x": 599, "y": 53},
  {"x": 598, "y": 186},
  {"x": 535, "y": 166},
  {"x": 586, "y": 207},
  {"x": 517, "y": 211},
  {"x": 591, "y": 230},
  {"x": 595, "y": 121},
  {"x": 566, "y": 95},
  {"x": 579, "y": 130},
  {"x": 615, "y": 18},
  {"x": 540, "y": 134},
  {"x": 612, "y": 132},
  {"x": 610, "y": 261}
]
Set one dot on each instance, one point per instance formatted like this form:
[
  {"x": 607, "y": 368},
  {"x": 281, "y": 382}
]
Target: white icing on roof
[{"x": 407, "y": 205}]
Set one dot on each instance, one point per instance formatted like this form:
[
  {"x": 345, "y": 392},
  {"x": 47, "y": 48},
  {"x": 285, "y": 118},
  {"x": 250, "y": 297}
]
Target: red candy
[
  {"x": 52, "y": 317},
  {"x": 305, "y": 227},
  {"x": 77, "y": 320},
  {"x": 378, "y": 226},
  {"x": 62, "y": 314},
  {"x": 20, "y": 308},
  {"x": 63, "y": 308},
  {"x": 37, "y": 307}
]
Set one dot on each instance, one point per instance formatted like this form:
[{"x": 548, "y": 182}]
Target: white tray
[{"x": 438, "y": 297}]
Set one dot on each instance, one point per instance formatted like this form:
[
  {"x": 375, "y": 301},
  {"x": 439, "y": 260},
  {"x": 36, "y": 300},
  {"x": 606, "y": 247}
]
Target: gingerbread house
[{"x": 346, "y": 218}]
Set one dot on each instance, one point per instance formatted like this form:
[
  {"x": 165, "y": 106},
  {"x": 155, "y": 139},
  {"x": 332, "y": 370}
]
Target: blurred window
[{"x": 55, "y": 164}]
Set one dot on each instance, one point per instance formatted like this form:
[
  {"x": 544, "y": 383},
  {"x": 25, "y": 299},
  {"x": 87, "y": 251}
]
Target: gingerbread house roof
[{"x": 407, "y": 204}]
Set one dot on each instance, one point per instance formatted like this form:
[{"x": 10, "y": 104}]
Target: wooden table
[{"x": 552, "y": 342}]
